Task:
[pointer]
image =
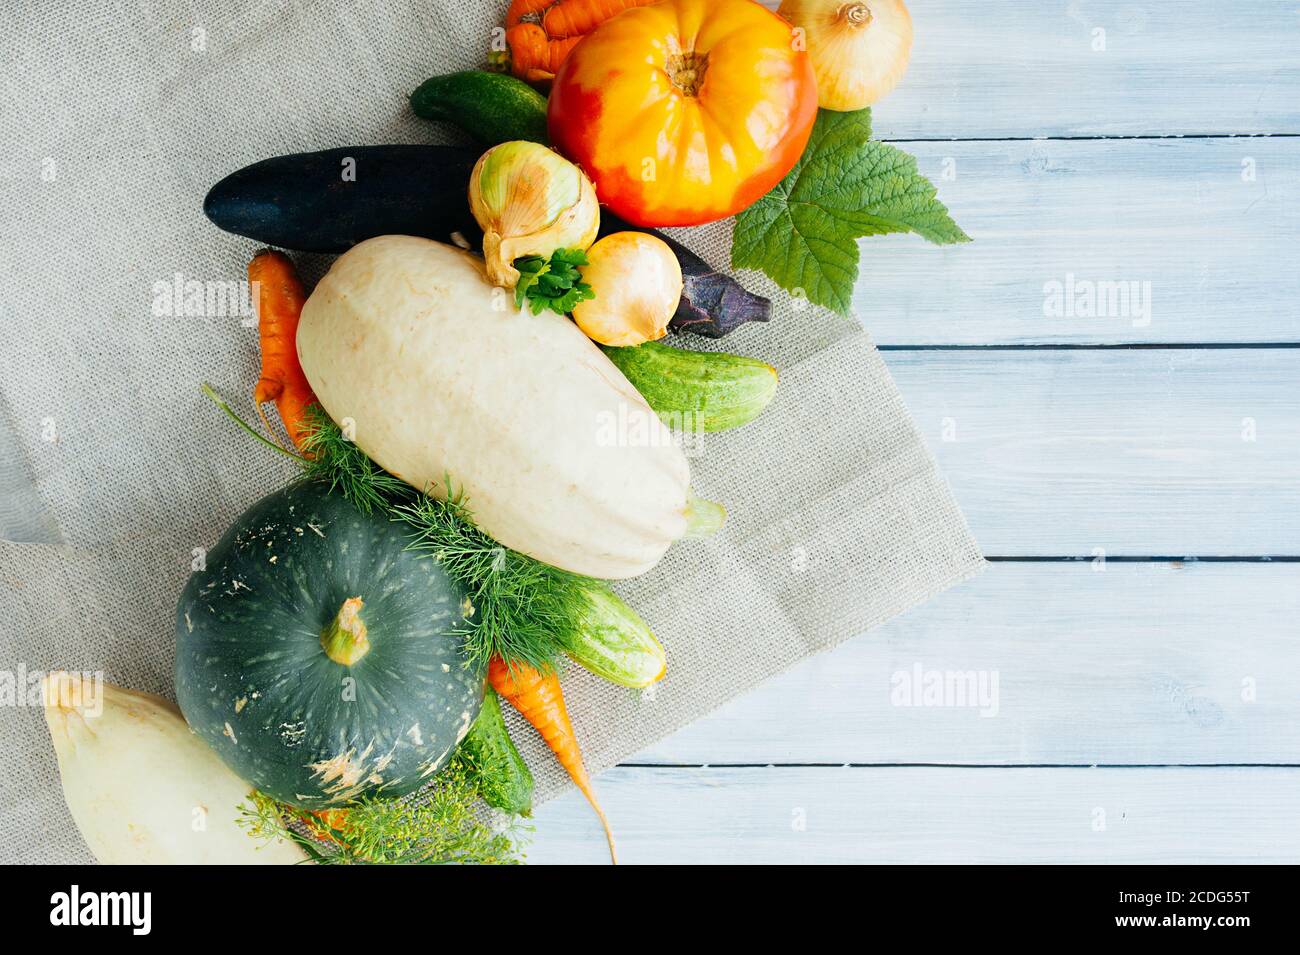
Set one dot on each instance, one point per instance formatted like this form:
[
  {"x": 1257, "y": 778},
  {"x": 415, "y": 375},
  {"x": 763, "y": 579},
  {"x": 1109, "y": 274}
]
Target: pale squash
[
  {"x": 141, "y": 787},
  {"x": 437, "y": 375}
]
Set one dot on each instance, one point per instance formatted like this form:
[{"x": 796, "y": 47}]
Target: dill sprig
[
  {"x": 331, "y": 457},
  {"x": 524, "y": 611},
  {"x": 443, "y": 824}
]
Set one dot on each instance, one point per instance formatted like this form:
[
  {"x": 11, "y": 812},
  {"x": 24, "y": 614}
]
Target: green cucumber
[
  {"x": 492, "y": 107},
  {"x": 697, "y": 390},
  {"x": 490, "y": 755},
  {"x": 613, "y": 642}
]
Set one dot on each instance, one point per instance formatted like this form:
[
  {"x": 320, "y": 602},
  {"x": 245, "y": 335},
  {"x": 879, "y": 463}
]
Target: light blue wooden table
[{"x": 1134, "y": 477}]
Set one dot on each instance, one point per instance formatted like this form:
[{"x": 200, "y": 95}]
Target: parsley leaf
[
  {"x": 804, "y": 232},
  {"x": 555, "y": 283}
]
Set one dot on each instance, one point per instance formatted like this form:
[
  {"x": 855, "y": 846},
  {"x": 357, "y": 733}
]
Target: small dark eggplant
[{"x": 329, "y": 201}]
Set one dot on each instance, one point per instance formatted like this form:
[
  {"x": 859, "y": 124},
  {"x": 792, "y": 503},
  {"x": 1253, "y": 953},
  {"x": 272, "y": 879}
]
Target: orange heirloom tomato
[{"x": 686, "y": 111}]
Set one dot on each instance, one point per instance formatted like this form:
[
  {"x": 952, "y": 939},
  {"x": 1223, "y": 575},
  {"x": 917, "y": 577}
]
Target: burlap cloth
[{"x": 117, "y": 118}]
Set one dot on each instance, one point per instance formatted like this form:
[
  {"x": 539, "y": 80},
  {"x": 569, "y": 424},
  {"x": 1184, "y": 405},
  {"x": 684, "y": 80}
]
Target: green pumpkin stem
[{"x": 344, "y": 640}]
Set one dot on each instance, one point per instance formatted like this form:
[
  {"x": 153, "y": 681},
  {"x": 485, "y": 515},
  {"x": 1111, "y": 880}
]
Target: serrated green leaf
[{"x": 804, "y": 232}]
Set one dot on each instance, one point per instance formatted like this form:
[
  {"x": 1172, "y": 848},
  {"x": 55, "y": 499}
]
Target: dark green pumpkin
[{"x": 253, "y": 677}]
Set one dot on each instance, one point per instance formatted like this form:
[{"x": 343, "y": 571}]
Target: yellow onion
[
  {"x": 859, "y": 48},
  {"x": 529, "y": 201},
  {"x": 637, "y": 283}
]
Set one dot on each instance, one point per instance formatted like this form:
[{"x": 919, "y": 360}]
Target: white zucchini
[
  {"x": 141, "y": 787},
  {"x": 438, "y": 375}
]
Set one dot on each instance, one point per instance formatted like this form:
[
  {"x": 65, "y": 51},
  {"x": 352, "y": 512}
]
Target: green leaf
[
  {"x": 553, "y": 283},
  {"x": 846, "y": 186}
]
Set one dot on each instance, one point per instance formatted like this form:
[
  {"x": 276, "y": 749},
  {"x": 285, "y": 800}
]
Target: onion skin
[
  {"x": 638, "y": 284},
  {"x": 859, "y": 48},
  {"x": 141, "y": 787},
  {"x": 529, "y": 201}
]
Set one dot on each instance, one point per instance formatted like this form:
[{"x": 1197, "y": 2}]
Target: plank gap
[
  {"x": 934, "y": 765},
  {"x": 1095, "y": 346}
]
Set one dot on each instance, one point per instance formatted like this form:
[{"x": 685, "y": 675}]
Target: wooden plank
[
  {"x": 1041, "y": 69},
  {"x": 1195, "y": 239},
  {"x": 1165, "y": 452},
  {"x": 1082, "y": 663},
  {"x": 930, "y": 814}
]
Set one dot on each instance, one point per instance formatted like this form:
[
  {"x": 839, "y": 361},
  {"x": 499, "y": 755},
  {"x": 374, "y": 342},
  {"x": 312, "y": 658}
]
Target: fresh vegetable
[
  {"x": 329, "y": 201},
  {"x": 140, "y": 786},
  {"x": 538, "y": 698},
  {"x": 309, "y": 214},
  {"x": 536, "y": 49},
  {"x": 694, "y": 390},
  {"x": 804, "y": 233},
  {"x": 713, "y": 303},
  {"x": 543, "y": 435},
  {"x": 529, "y": 201},
  {"x": 318, "y": 655},
  {"x": 636, "y": 284},
  {"x": 859, "y": 48},
  {"x": 279, "y": 306},
  {"x": 565, "y": 18},
  {"x": 613, "y": 642},
  {"x": 554, "y": 283},
  {"x": 490, "y": 758},
  {"x": 519, "y": 9},
  {"x": 685, "y": 111},
  {"x": 442, "y": 825},
  {"x": 533, "y": 56},
  {"x": 491, "y": 107}
]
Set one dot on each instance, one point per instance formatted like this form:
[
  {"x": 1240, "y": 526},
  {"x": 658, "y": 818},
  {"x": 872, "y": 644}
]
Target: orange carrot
[
  {"x": 570, "y": 18},
  {"x": 524, "y": 8},
  {"x": 329, "y": 819},
  {"x": 279, "y": 305},
  {"x": 537, "y": 696},
  {"x": 533, "y": 56}
]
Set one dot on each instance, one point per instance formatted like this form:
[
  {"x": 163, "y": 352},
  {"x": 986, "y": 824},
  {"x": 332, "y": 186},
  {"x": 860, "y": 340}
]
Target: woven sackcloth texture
[{"x": 113, "y": 467}]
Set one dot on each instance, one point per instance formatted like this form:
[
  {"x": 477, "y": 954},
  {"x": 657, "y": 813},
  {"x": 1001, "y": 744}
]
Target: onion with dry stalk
[
  {"x": 859, "y": 48},
  {"x": 637, "y": 283},
  {"x": 529, "y": 201}
]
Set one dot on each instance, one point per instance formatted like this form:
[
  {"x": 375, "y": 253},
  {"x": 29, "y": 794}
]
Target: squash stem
[
  {"x": 344, "y": 640},
  {"x": 703, "y": 517}
]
